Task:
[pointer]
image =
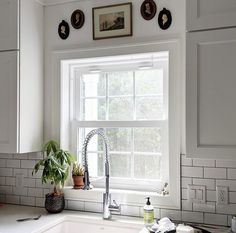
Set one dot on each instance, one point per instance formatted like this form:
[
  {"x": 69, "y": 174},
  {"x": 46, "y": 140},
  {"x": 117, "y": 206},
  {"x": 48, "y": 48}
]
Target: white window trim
[{"x": 61, "y": 82}]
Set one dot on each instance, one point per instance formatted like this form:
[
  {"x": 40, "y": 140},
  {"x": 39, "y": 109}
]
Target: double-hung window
[
  {"x": 134, "y": 98},
  {"x": 127, "y": 96}
]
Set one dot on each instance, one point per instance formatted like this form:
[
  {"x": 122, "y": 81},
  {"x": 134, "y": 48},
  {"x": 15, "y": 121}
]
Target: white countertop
[{"x": 10, "y": 213}]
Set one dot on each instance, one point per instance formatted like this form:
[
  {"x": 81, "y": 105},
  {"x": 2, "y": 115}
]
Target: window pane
[
  {"x": 120, "y": 83},
  {"x": 120, "y": 165},
  {"x": 121, "y": 108},
  {"x": 147, "y": 140},
  {"x": 93, "y": 85},
  {"x": 93, "y": 109},
  {"x": 149, "y": 82},
  {"x": 119, "y": 139},
  {"x": 149, "y": 108},
  {"x": 147, "y": 166}
]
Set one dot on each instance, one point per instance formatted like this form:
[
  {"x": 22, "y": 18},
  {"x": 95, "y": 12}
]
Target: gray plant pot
[{"x": 54, "y": 204}]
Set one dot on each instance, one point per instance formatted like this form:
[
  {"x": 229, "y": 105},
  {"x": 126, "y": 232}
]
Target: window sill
[{"x": 125, "y": 197}]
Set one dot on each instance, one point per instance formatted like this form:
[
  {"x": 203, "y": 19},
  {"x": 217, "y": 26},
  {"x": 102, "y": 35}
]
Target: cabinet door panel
[
  {"x": 206, "y": 14},
  {"x": 8, "y": 102},
  {"x": 211, "y": 95},
  {"x": 9, "y": 19}
]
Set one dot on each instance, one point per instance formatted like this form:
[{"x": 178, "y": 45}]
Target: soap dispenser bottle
[{"x": 148, "y": 213}]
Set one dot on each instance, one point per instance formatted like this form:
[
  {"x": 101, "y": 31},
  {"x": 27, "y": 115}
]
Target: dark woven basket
[{"x": 54, "y": 204}]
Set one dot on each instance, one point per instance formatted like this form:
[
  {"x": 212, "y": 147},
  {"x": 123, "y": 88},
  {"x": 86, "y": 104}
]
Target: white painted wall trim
[
  {"x": 57, "y": 2},
  {"x": 58, "y": 114}
]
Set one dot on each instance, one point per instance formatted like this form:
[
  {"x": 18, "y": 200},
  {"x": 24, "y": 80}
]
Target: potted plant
[
  {"x": 55, "y": 163},
  {"x": 78, "y": 175}
]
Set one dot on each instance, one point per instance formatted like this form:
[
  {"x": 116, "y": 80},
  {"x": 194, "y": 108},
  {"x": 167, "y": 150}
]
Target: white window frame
[
  {"x": 62, "y": 60},
  {"x": 123, "y": 183}
]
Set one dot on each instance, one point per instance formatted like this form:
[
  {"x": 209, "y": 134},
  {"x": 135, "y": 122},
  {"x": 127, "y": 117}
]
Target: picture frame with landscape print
[{"x": 112, "y": 21}]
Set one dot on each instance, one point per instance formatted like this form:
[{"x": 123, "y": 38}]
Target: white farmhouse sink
[{"x": 72, "y": 224}]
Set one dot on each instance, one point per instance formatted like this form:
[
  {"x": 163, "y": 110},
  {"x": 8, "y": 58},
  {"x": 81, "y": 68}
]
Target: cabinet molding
[
  {"x": 211, "y": 95},
  {"x": 210, "y": 14}
]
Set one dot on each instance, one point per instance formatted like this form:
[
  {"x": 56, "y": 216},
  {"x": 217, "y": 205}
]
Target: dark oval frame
[
  {"x": 73, "y": 19},
  {"x": 153, "y": 9},
  {"x": 169, "y": 16},
  {"x": 67, "y": 30}
]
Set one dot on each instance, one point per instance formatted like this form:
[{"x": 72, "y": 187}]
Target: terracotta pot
[{"x": 78, "y": 182}]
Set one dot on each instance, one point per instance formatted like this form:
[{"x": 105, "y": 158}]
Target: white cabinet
[
  {"x": 209, "y": 14},
  {"x": 21, "y": 76},
  {"x": 211, "y": 94},
  {"x": 9, "y": 24}
]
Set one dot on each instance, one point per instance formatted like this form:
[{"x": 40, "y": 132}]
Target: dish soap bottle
[{"x": 148, "y": 213}]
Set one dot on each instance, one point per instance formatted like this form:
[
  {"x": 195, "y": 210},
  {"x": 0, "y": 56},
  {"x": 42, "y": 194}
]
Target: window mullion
[{"x": 107, "y": 100}]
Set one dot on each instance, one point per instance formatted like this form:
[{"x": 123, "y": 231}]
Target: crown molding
[{"x": 56, "y": 2}]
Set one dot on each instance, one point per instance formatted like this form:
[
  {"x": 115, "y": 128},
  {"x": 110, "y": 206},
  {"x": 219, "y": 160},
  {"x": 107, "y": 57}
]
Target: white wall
[{"x": 142, "y": 31}]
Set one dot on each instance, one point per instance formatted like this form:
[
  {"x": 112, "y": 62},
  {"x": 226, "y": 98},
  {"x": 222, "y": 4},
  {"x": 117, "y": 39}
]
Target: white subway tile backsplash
[
  {"x": 203, "y": 163},
  {"x": 12, "y": 199},
  {"x": 209, "y": 183},
  {"x": 27, "y": 164},
  {"x": 209, "y": 173},
  {"x": 186, "y": 161},
  {"x": 192, "y": 216},
  {"x": 6, "y": 156},
  {"x": 172, "y": 214},
  {"x": 3, "y": 163},
  {"x": 20, "y": 171},
  {"x": 6, "y": 189},
  {"x": 93, "y": 207},
  {"x": 38, "y": 175},
  {"x": 11, "y": 181},
  {"x": 192, "y": 172},
  {"x": 184, "y": 194},
  {"x": 216, "y": 173},
  {"x": 29, "y": 182},
  {"x": 39, "y": 202},
  {"x": 210, "y": 195},
  {"x": 232, "y": 174},
  {"x": 229, "y": 183},
  {"x": 226, "y": 163},
  {"x": 130, "y": 210},
  {"x": 29, "y": 201},
  {"x": 35, "y": 192},
  {"x": 232, "y": 198},
  {"x": 187, "y": 205},
  {"x": 2, "y": 180},
  {"x": 186, "y": 181},
  {"x": 204, "y": 207},
  {"x": 216, "y": 219},
  {"x": 35, "y": 156},
  {"x": 76, "y": 205},
  {"x": 226, "y": 209},
  {"x": 20, "y": 156},
  {"x": 6, "y": 171},
  {"x": 20, "y": 191},
  {"x": 13, "y": 163}
]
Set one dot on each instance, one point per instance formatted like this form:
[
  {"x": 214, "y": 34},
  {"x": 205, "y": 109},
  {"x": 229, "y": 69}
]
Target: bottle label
[{"x": 148, "y": 217}]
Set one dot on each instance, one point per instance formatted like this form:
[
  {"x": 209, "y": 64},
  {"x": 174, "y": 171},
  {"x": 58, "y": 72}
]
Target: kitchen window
[{"x": 133, "y": 98}]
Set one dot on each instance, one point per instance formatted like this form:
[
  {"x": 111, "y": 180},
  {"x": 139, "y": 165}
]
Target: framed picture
[
  {"x": 148, "y": 9},
  {"x": 112, "y": 21},
  {"x": 63, "y": 30},
  {"x": 164, "y": 19},
  {"x": 77, "y": 19}
]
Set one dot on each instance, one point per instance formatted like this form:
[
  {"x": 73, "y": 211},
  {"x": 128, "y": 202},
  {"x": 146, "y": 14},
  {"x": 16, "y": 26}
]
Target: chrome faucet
[{"x": 107, "y": 206}]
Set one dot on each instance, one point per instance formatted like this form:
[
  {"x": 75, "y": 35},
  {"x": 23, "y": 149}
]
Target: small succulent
[{"x": 78, "y": 169}]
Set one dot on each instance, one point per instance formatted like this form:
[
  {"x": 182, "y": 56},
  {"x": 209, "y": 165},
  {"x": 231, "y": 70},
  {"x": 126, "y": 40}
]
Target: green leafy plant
[
  {"x": 55, "y": 164},
  {"x": 78, "y": 170}
]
